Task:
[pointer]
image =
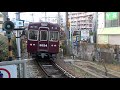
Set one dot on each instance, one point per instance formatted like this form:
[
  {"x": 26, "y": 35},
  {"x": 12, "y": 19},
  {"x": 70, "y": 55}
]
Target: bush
[{"x": 3, "y": 48}]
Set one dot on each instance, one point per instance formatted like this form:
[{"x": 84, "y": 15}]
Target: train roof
[
  {"x": 40, "y": 24},
  {"x": 36, "y": 25}
]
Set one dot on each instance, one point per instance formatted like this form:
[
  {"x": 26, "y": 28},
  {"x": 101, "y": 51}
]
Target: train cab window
[
  {"x": 43, "y": 35},
  {"x": 54, "y": 36},
  {"x": 33, "y": 35}
]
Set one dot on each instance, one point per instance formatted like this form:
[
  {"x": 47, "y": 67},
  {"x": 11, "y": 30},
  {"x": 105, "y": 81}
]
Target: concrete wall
[
  {"x": 102, "y": 39},
  {"x": 109, "y": 39},
  {"x": 114, "y": 39}
]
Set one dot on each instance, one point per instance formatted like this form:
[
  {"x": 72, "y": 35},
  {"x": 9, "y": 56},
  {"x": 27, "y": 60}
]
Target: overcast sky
[{"x": 37, "y": 15}]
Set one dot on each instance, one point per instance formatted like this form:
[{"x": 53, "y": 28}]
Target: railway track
[
  {"x": 95, "y": 70},
  {"x": 52, "y": 70}
]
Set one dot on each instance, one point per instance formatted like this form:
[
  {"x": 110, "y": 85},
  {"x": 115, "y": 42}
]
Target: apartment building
[
  {"x": 1, "y": 23},
  {"x": 81, "y": 21},
  {"x": 1, "y": 20}
]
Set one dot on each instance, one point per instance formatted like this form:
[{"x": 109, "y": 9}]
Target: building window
[{"x": 112, "y": 19}]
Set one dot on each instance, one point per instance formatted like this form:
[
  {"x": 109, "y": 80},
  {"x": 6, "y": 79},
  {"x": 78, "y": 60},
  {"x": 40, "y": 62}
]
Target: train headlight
[{"x": 33, "y": 44}]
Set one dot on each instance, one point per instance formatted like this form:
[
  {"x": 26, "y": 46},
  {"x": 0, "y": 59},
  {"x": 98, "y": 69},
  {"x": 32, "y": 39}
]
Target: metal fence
[{"x": 17, "y": 62}]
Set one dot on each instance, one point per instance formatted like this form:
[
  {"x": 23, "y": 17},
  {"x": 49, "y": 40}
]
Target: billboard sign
[
  {"x": 84, "y": 34},
  {"x": 18, "y": 23},
  {"x": 111, "y": 15}
]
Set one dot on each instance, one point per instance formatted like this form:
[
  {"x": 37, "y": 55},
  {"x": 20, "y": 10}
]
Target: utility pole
[
  {"x": 71, "y": 35},
  {"x": 58, "y": 20},
  {"x": 67, "y": 34},
  {"x": 45, "y": 17},
  {"x": 18, "y": 42},
  {"x": 95, "y": 26},
  {"x": 32, "y": 17},
  {"x": 67, "y": 28},
  {"x": 18, "y": 37}
]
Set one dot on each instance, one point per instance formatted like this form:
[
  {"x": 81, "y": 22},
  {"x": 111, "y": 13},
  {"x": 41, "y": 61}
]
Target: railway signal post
[
  {"x": 18, "y": 28},
  {"x": 8, "y": 26}
]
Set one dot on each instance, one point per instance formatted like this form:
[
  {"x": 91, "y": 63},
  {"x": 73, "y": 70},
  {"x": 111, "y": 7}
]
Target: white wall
[
  {"x": 114, "y": 39},
  {"x": 101, "y": 22},
  {"x": 102, "y": 39}
]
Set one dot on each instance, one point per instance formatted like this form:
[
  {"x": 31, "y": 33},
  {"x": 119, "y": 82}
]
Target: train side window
[
  {"x": 54, "y": 36},
  {"x": 33, "y": 35},
  {"x": 43, "y": 35}
]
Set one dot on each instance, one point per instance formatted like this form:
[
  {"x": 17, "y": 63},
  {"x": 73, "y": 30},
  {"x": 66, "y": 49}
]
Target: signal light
[{"x": 8, "y": 26}]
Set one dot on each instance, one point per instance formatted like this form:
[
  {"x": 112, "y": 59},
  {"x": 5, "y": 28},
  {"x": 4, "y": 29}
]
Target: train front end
[{"x": 43, "y": 40}]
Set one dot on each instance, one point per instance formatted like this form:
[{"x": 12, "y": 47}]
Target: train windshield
[
  {"x": 43, "y": 35},
  {"x": 33, "y": 35},
  {"x": 54, "y": 36}
]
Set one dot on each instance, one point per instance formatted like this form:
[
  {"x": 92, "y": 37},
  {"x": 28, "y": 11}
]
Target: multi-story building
[
  {"x": 108, "y": 31},
  {"x": 81, "y": 21},
  {"x": 1, "y": 22}
]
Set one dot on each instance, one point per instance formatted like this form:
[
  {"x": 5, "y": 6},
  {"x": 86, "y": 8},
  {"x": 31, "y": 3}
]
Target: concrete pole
[
  {"x": 18, "y": 37},
  {"x": 67, "y": 34},
  {"x": 71, "y": 41},
  {"x": 18, "y": 42},
  {"x": 45, "y": 17},
  {"x": 58, "y": 20},
  {"x": 95, "y": 26},
  {"x": 67, "y": 29},
  {"x": 32, "y": 17},
  {"x": 66, "y": 20}
]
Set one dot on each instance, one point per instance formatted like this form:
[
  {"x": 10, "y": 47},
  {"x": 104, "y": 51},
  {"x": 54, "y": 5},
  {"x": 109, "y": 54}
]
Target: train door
[
  {"x": 53, "y": 41},
  {"x": 43, "y": 39}
]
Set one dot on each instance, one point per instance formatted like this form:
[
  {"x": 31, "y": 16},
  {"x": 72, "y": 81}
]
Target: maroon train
[{"x": 43, "y": 39}]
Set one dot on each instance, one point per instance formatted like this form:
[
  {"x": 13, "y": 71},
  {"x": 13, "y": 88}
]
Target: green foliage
[
  {"x": 64, "y": 48},
  {"x": 3, "y": 48},
  {"x": 22, "y": 46},
  {"x": 91, "y": 33}
]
